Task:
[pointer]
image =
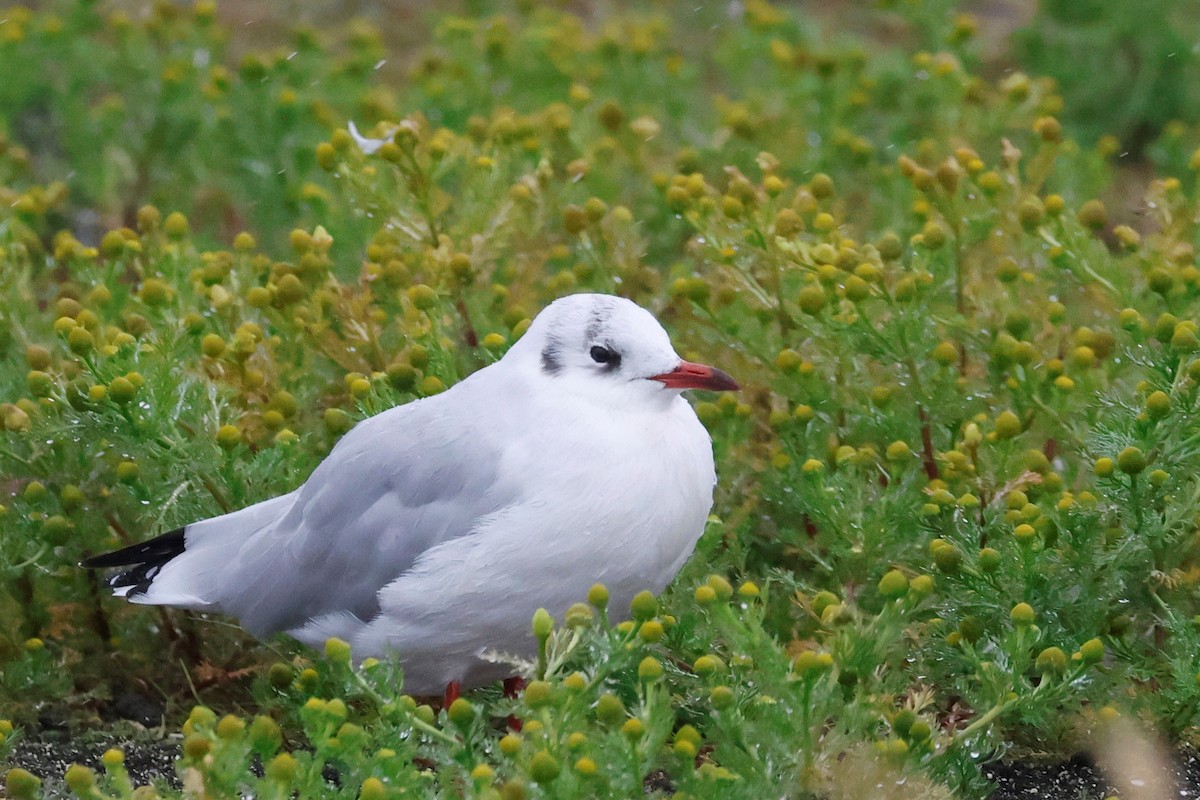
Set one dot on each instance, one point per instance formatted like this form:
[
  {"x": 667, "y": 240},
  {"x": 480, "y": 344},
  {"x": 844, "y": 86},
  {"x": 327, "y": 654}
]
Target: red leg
[
  {"x": 453, "y": 692},
  {"x": 513, "y": 687}
]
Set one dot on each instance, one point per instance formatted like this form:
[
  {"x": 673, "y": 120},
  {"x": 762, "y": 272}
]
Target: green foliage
[
  {"x": 1142, "y": 54},
  {"x": 153, "y": 110},
  {"x": 958, "y": 496}
]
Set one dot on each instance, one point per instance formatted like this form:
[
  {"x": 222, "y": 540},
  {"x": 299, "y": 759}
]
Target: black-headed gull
[{"x": 436, "y": 529}]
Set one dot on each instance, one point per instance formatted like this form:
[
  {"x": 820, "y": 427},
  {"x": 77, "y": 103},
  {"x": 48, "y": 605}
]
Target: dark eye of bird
[{"x": 604, "y": 355}]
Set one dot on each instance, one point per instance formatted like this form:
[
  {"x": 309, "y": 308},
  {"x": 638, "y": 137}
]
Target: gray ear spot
[{"x": 551, "y": 362}]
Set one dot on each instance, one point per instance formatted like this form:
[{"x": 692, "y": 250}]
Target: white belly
[{"x": 630, "y": 531}]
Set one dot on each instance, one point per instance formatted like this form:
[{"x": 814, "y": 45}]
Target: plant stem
[
  {"x": 469, "y": 333},
  {"x": 928, "y": 461},
  {"x": 983, "y": 721},
  {"x": 806, "y": 725},
  {"x": 416, "y": 722}
]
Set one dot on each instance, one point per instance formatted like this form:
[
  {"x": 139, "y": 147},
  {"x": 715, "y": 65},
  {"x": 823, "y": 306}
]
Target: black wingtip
[
  {"x": 155, "y": 552},
  {"x": 144, "y": 560}
]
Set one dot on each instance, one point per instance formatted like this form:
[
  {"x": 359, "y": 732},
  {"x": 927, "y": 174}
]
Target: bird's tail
[
  {"x": 145, "y": 561},
  {"x": 189, "y": 567}
]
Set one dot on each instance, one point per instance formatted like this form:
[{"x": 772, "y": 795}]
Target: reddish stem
[
  {"x": 927, "y": 459},
  {"x": 469, "y": 333}
]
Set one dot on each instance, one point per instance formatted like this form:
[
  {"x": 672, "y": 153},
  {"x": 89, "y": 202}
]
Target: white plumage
[{"x": 437, "y": 528}]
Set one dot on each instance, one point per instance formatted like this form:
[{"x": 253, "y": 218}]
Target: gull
[{"x": 436, "y": 529}]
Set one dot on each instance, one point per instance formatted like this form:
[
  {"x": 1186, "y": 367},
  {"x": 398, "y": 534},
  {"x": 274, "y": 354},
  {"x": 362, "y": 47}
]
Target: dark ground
[
  {"x": 146, "y": 761},
  {"x": 1080, "y": 778},
  {"x": 152, "y": 761}
]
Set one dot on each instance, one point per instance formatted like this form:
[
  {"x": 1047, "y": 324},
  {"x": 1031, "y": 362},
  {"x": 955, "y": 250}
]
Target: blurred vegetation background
[{"x": 948, "y": 248}]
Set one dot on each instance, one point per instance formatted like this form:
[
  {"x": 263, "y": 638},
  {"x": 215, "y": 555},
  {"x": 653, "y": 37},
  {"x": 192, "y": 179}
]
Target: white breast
[{"x": 630, "y": 527}]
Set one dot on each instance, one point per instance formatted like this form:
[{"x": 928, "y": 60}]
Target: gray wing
[{"x": 396, "y": 485}]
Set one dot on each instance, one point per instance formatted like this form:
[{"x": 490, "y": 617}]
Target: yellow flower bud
[
  {"x": 422, "y": 297},
  {"x": 80, "y": 779},
  {"x": 651, "y": 631},
  {"x": 20, "y": 784},
  {"x": 337, "y": 650},
  {"x": 229, "y": 437},
  {"x": 598, "y": 596},
  {"x": 282, "y": 768},
  {"x": 1008, "y": 425},
  {"x": 543, "y": 624},
  {"x": 644, "y": 606},
  {"x": 1131, "y": 460},
  {"x": 1022, "y": 614},
  {"x": 609, "y": 709},
  {"x": 650, "y": 669},
  {"x": 893, "y": 584},
  {"x": 633, "y": 728},
  {"x": 461, "y": 712},
  {"x": 176, "y": 225}
]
